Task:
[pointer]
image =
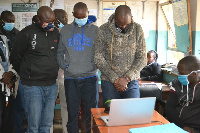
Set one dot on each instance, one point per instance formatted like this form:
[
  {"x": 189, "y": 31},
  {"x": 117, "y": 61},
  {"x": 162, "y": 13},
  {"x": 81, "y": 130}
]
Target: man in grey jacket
[
  {"x": 76, "y": 57},
  {"x": 120, "y": 55}
]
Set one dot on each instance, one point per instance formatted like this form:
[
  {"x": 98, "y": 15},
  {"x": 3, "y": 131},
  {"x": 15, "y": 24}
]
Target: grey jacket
[
  {"x": 128, "y": 51},
  {"x": 75, "y": 52}
]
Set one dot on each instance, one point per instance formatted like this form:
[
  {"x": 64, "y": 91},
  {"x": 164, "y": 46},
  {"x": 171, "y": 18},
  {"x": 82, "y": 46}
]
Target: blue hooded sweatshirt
[{"x": 75, "y": 52}]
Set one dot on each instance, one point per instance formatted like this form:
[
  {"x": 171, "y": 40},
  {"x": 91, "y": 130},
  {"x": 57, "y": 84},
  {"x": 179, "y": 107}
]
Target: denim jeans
[
  {"x": 109, "y": 92},
  {"x": 39, "y": 104},
  {"x": 19, "y": 111},
  {"x": 75, "y": 90}
]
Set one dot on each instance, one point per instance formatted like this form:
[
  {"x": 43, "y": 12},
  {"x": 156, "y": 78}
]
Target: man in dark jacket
[
  {"x": 7, "y": 33},
  {"x": 152, "y": 71},
  {"x": 183, "y": 103},
  {"x": 34, "y": 58},
  {"x": 60, "y": 21}
]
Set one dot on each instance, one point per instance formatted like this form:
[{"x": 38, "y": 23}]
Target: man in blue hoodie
[{"x": 76, "y": 57}]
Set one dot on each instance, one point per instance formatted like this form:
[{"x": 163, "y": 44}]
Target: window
[{"x": 173, "y": 55}]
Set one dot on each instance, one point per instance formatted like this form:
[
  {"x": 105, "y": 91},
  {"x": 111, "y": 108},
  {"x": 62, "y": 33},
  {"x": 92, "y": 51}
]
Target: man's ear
[
  {"x": 194, "y": 77},
  {"x": 198, "y": 75}
]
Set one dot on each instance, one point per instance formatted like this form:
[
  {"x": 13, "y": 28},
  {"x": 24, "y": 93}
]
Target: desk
[{"x": 98, "y": 126}]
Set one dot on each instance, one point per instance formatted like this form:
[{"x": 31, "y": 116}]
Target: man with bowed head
[
  {"x": 34, "y": 58},
  {"x": 120, "y": 55}
]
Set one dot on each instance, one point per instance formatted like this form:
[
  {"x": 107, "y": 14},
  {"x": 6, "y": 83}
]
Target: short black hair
[
  {"x": 154, "y": 53},
  {"x": 80, "y": 5},
  {"x": 6, "y": 13},
  {"x": 123, "y": 9},
  {"x": 191, "y": 63}
]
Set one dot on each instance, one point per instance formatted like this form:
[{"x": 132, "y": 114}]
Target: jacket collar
[{"x": 14, "y": 31}]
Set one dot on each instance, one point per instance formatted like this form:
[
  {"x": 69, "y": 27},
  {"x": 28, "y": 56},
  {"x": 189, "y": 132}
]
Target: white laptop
[{"x": 130, "y": 111}]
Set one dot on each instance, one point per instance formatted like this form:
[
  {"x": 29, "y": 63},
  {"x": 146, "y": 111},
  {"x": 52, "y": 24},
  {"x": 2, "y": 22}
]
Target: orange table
[{"x": 98, "y": 126}]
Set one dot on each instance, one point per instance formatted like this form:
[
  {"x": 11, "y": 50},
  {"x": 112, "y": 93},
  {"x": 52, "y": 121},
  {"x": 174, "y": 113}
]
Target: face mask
[
  {"x": 60, "y": 25},
  {"x": 9, "y": 26},
  {"x": 183, "y": 79},
  {"x": 48, "y": 26},
  {"x": 81, "y": 22},
  {"x": 122, "y": 30}
]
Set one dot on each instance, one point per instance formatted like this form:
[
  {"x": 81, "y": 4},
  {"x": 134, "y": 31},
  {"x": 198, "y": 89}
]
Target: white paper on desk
[
  {"x": 165, "y": 128},
  {"x": 159, "y": 85}
]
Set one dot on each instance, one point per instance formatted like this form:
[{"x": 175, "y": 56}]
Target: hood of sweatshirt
[{"x": 91, "y": 19}]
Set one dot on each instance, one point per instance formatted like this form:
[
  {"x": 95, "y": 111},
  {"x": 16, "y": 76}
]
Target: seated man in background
[
  {"x": 183, "y": 103},
  {"x": 151, "y": 72}
]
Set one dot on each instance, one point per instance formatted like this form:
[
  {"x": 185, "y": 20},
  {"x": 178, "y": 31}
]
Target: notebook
[
  {"x": 130, "y": 111},
  {"x": 165, "y": 128}
]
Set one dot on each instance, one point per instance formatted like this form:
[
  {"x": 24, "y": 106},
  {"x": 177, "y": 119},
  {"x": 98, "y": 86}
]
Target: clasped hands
[
  {"x": 121, "y": 84},
  {"x": 7, "y": 79}
]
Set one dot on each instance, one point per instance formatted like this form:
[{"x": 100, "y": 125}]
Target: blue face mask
[
  {"x": 60, "y": 25},
  {"x": 49, "y": 26},
  {"x": 183, "y": 79},
  {"x": 9, "y": 26},
  {"x": 81, "y": 22}
]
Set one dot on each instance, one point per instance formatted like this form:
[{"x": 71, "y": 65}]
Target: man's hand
[
  {"x": 121, "y": 84},
  {"x": 7, "y": 77},
  {"x": 10, "y": 85},
  {"x": 119, "y": 87},
  {"x": 190, "y": 130}
]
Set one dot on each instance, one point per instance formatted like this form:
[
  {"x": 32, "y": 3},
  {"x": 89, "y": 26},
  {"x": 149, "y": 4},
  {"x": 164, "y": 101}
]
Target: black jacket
[
  {"x": 10, "y": 36},
  {"x": 176, "y": 109},
  {"x": 151, "y": 72},
  {"x": 34, "y": 56}
]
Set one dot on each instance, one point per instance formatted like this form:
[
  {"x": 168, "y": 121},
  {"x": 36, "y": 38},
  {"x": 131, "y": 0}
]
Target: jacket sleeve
[
  {"x": 170, "y": 110},
  {"x": 157, "y": 74},
  {"x": 140, "y": 56},
  {"x": 99, "y": 57},
  {"x": 61, "y": 54},
  {"x": 18, "y": 51}
]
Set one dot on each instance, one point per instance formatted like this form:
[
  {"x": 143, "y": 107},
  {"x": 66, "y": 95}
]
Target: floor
[{"x": 57, "y": 126}]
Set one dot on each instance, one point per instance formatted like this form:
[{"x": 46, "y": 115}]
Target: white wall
[
  {"x": 195, "y": 14},
  {"x": 136, "y": 7}
]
